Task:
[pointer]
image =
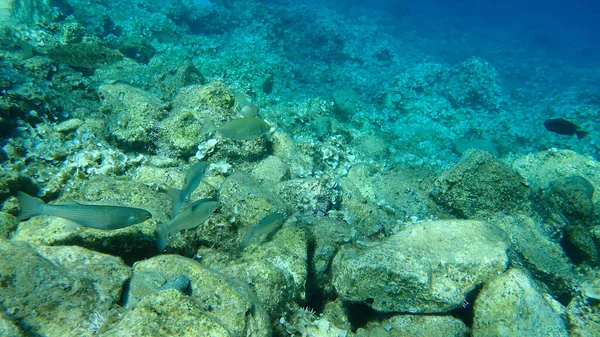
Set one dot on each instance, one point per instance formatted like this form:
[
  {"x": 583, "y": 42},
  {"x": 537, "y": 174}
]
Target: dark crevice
[{"x": 466, "y": 313}]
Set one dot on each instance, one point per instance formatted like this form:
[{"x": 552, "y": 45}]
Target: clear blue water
[{"x": 564, "y": 30}]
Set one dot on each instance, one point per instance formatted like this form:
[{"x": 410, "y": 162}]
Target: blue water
[{"x": 565, "y": 30}]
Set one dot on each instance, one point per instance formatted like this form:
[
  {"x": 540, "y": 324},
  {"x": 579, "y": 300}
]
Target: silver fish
[
  {"x": 247, "y": 128},
  {"x": 266, "y": 227},
  {"x": 196, "y": 214},
  {"x": 93, "y": 216},
  {"x": 192, "y": 179}
]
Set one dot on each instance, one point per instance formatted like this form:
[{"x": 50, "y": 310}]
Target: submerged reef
[{"x": 358, "y": 186}]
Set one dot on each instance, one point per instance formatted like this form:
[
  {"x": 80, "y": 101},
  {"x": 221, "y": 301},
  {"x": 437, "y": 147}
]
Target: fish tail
[
  {"x": 246, "y": 240},
  {"x": 580, "y": 134},
  {"x": 28, "y": 206},
  {"x": 163, "y": 237},
  {"x": 176, "y": 203}
]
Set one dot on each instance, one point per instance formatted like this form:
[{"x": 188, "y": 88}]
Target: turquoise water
[{"x": 383, "y": 168}]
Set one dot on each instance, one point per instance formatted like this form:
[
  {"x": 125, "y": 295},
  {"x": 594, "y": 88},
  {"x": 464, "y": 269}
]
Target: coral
[{"x": 206, "y": 148}]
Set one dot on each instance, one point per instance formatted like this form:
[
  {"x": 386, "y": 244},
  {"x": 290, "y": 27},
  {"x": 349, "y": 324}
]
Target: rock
[
  {"x": 373, "y": 206},
  {"x": 242, "y": 196},
  {"x": 54, "y": 291},
  {"x": 327, "y": 234},
  {"x": 311, "y": 196},
  {"x": 429, "y": 267},
  {"x": 510, "y": 305},
  {"x": 170, "y": 313},
  {"x": 108, "y": 273},
  {"x": 225, "y": 304},
  {"x": 480, "y": 184},
  {"x": 214, "y": 96},
  {"x": 8, "y": 223},
  {"x": 8, "y": 327},
  {"x": 276, "y": 270},
  {"x": 565, "y": 184},
  {"x": 573, "y": 197},
  {"x": 473, "y": 84},
  {"x": 541, "y": 168},
  {"x": 584, "y": 319},
  {"x": 29, "y": 12},
  {"x": 346, "y": 103},
  {"x": 84, "y": 55},
  {"x": 415, "y": 325},
  {"x": 370, "y": 147},
  {"x": 146, "y": 283},
  {"x": 303, "y": 322},
  {"x": 11, "y": 182},
  {"x": 180, "y": 133},
  {"x": 543, "y": 257},
  {"x": 461, "y": 146},
  {"x": 69, "y": 125},
  {"x": 571, "y": 200},
  {"x": 187, "y": 74},
  {"x": 274, "y": 287},
  {"x": 240, "y": 152},
  {"x": 131, "y": 115},
  {"x": 285, "y": 148},
  {"x": 272, "y": 170}
]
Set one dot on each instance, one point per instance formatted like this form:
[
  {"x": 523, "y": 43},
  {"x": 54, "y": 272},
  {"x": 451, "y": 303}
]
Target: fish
[
  {"x": 92, "y": 216},
  {"x": 247, "y": 128},
  {"x": 193, "y": 216},
  {"x": 266, "y": 227},
  {"x": 84, "y": 55},
  {"x": 564, "y": 127},
  {"x": 192, "y": 180}
]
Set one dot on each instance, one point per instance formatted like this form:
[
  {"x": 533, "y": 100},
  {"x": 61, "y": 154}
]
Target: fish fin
[
  {"x": 580, "y": 134},
  {"x": 207, "y": 127},
  {"x": 28, "y": 206},
  {"x": 176, "y": 204},
  {"x": 72, "y": 226},
  {"x": 162, "y": 233}
]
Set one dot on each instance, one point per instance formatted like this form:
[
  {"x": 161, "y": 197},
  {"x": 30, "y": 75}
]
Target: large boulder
[
  {"x": 480, "y": 185},
  {"x": 510, "y": 305},
  {"x": 226, "y": 305},
  {"x": 57, "y": 291},
  {"x": 429, "y": 267}
]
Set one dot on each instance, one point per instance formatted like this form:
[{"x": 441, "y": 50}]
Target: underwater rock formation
[
  {"x": 428, "y": 267},
  {"x": 53, "y": 291},
  {"x": 510, "y": 305},
  {"x": 481, "y": 184}
]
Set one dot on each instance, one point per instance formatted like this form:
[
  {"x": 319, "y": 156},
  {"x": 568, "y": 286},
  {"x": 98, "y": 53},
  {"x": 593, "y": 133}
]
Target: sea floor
[{"x": 365, "y": 171}]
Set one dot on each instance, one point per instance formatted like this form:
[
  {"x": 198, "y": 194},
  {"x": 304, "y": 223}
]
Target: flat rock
[{"x": 429, "y": 267}]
